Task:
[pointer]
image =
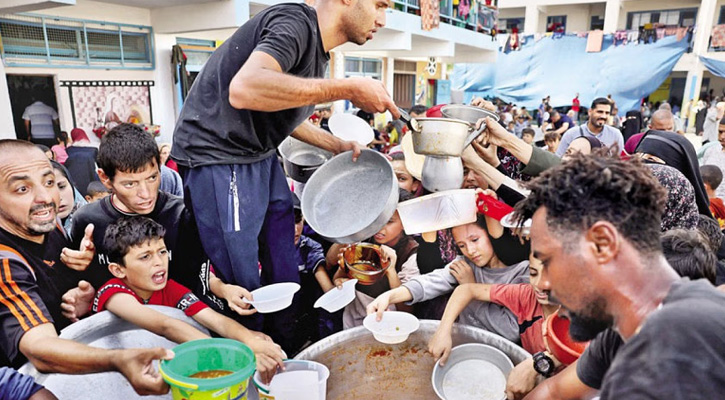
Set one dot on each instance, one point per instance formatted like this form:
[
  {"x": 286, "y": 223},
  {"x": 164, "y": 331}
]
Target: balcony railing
[{"x": 479, "y": 18}]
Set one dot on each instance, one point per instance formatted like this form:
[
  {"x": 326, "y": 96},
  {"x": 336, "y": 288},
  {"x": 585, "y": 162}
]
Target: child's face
[
  {"x": 391, "y": 232},
  {"x": 96, "y": 197},
  {"x": 405, "y": 179},
  {"x": 473, "y": 242},
  {"x": 528, "y": 139},
  {"x": 534, "y": 276},
  {"x": 299, "y": 224},
  {"x": 146, "y": 267}
]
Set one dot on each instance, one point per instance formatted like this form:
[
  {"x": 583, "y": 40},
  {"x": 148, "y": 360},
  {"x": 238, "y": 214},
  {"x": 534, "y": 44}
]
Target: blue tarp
[
  {"x": 717, "y": 67},
  {"x": 561, "y": 68}
]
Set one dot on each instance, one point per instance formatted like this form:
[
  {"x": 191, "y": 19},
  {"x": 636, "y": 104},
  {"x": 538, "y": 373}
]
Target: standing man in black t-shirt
[
  {"x": 34, "y": 274},
  {"x": 257, "y": 88},
  {"x": 596, "y": 230}
]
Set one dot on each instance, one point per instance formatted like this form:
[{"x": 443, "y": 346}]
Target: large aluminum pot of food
[
  {"x": 443, "y": 137},
  {"x": 362, "y": 368},
  {"x": 349, "y": 201},
  {"x": 107, "y": 331},
  {"x": 300, "y": 159}
]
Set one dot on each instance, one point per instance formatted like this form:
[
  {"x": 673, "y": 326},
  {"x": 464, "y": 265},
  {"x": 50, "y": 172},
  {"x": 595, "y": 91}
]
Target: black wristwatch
[{"x": 543, "y": 364}]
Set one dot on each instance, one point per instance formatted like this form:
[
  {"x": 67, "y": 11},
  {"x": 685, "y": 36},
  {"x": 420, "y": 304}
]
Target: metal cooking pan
[
  {"x": 362, "y": 368},
  {"x": 300, "y": 159},
  {"x": 346, "y": 201}
]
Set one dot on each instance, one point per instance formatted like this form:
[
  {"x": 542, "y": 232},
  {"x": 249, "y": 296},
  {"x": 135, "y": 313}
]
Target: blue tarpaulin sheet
[
  {"x": 717, "y": 67},
  {"x": 561, "y": 68}
]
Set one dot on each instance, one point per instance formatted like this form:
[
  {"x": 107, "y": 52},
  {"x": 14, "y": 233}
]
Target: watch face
[{"x": 543, "y": 364}]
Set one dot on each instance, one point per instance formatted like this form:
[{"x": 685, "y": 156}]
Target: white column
[
  {"x": 388, "y": 74},
  {"x": 611, "y": 15},
  {"x": 705, "y": 20},
  {"x": 7, "y": 127},
  {"x": 337, "y": 71},
  {"x": 531, "y": 19}
]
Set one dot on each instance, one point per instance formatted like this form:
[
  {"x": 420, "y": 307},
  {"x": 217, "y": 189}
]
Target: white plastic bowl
[
  {"x": 438, "y": 211},
  {"x": 299, "y": 376},
  {"x": 336, "y": 298},
  {"x": 395, "y": 327},
  {"x": 273, "y": 298},
  {"x": 352, "y": 128}
]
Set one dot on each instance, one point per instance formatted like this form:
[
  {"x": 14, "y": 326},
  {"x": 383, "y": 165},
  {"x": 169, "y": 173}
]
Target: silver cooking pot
[
  {"x": 300, "y": 159},
  {"x": 443, "y": 137},
  {"x": 362, "y": 368},
  {"x": 346, "y": 201}
]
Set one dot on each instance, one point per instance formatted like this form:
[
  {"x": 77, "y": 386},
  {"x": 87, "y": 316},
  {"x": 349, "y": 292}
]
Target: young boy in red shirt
[
  {"x": 712, "y": 177},
  {"x": 139, "y": 261}
]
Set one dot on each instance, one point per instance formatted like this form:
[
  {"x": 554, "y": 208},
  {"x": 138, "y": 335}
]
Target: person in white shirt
[{"x": 40, "y": 120}]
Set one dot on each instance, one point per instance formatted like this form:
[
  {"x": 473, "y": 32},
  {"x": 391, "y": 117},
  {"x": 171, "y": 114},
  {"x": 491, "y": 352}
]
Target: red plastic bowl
[
  {"x": 561, "y": 345},
  {"x": 435, "y": 111}
]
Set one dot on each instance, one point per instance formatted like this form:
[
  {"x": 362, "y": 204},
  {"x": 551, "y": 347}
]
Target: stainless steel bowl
[
  {"x": 300, "y": 159},
  {"x": 490, "y": 365},
  {"x": 442, "y": 173},
  {"x": 346, "y": 201},
  {"x": 466, "y": 113},
  {"x": 362, "y": 368}
]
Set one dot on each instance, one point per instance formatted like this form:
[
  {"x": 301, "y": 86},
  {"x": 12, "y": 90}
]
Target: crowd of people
[{"x": 624, "y": 238}]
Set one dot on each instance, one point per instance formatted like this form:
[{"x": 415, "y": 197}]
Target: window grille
[{"x": 38, "y": 40}]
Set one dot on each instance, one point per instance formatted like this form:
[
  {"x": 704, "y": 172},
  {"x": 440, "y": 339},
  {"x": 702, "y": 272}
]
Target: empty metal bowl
[
  {"x": 466, "y": 113},
  {"x": 473, "y": 371},
  {"x": 300, "y": 159},
  {"x": 346, "y": 201}
]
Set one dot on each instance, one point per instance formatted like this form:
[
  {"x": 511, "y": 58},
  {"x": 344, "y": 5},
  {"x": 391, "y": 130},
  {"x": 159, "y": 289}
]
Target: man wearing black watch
[{"x": 543, "y": 364}]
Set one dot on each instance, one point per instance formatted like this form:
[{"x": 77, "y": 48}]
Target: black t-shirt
[
  {"x": 187, "y": 257},
  {"x": 598, "y": 356},
  {"x": 209, "y": 129},
  {"x": 33, "y": 279},
  {"x": 678, "y": 354}
]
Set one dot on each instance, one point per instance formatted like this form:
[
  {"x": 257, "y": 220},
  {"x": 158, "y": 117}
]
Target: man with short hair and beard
[
  {"x": 596, "y": 127},
  {"x": 36, "y": 268},
  {"x": 603, "y": 261},
  {"x": 258, "y": 88}
]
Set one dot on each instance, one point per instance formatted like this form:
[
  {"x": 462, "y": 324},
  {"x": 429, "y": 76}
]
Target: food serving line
[{"x": 345, "y": 202}]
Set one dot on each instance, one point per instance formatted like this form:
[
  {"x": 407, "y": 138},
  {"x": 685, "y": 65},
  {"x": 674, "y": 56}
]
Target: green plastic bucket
[{"x": 207, "y": 355}]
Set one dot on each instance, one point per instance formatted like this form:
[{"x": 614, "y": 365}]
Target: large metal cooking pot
[
  {"x": 107, "y": 331},
  {"x": 444, "y": 137},
  {"x": 346, "y": 201},
  {"x": 469, "y": 114},
  {"x": 300, "y": 159},
  {"x": 362, "y": 368}
]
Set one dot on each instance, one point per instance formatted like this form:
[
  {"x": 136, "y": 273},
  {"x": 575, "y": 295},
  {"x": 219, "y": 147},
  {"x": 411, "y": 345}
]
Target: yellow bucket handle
[{"x": 177, "y": 382}]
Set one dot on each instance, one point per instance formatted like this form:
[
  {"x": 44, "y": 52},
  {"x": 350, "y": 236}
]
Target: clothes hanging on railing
[
  {"x": 430, "y": 14},
  {"x": 718, "y": 36}
]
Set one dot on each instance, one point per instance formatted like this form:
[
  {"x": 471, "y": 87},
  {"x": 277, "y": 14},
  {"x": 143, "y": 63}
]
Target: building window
[
  {"x": 368, "y": 67},
  {"x": 596, "y": 23},
  {"x": 721, "y": 18},
  {"x": 506, "y": 25},
  {"x": 38, "y": 40},
  {"x": 556, "y": 23},
  {"x": 678, "y": 17}
]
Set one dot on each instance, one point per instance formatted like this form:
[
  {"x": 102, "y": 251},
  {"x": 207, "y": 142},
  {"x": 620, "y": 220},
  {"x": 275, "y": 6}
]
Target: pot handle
[{"x": 475, "y": 133}]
